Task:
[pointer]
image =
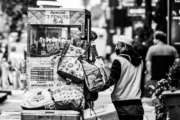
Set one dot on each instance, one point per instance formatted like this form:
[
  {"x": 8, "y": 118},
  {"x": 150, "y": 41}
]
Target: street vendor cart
[{"x": 50, "y": 30}]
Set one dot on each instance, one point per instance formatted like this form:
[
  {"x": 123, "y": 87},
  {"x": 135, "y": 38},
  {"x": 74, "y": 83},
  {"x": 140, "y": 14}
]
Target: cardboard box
[
  {"x": 50, "y": 115},
  {"x": 105, "y": 112}
]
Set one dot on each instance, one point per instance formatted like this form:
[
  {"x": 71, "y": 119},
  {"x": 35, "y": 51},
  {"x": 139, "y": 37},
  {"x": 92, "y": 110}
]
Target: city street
[
  {"x": 10, "y": 108},
  {"x": 45, "y": 44}
]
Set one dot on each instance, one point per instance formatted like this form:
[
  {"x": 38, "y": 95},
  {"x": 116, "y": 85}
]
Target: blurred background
[{"x": 110, "y": 18}]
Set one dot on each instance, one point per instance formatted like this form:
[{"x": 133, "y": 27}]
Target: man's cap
[{"x": 125, "y": 39}]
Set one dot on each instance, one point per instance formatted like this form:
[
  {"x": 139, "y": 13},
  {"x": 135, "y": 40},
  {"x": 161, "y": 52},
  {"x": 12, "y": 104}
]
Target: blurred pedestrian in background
[
  {"x": 125, "y": 74},
  {"x": 5, "y": 72},
  {"x": 159, "y": 58},
  {"x": 141, "y": 48},
  {"x": 1, "y": 55}
]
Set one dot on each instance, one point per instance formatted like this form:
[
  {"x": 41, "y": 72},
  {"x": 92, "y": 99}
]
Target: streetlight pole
[
  {"x": 148, "y": 8},
  {"x": 169, "y": 22}
]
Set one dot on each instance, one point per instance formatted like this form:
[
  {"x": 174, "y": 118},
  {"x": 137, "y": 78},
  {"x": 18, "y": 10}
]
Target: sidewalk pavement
[
  {"x": 149, "y": 110},
  {"x": 11, "y": 106},
  {"x": 104, "y": 98}
]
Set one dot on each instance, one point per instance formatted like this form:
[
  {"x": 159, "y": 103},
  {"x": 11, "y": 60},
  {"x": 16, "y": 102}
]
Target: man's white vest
[{"x": 128, "y": 87}]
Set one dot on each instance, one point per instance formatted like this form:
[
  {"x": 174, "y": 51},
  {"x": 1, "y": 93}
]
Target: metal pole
[
  {"x": 169, "y": 22},
  {"x": 28, "y": 40},
  {"x": 88, "y": 37},
  {"x": 148, "y": 8},
  {"x": 9, "y": 47}
]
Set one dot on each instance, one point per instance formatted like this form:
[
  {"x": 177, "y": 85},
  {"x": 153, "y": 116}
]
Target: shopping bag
[
  {"x": 100, "y": 64},
  {"x": 95, "y": 74},
  {"x": 70, "y": 67},
  {"x": 90, "y": 96},
  {"x": 74, "y": 51},
  {"x": 93, "y": 77},
  {"x": 68, "y": 97},
  {"x": 39, "y": 99}
]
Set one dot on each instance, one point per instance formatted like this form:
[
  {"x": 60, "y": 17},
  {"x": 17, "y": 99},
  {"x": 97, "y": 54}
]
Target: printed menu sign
[
  {"x": 57, "y": 17},
  {"x": 40, "y": 73}
]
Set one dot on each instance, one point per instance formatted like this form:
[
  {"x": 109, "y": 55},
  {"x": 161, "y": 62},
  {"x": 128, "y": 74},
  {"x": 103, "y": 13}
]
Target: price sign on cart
[
  {"x": 40, "y": 73},
  {"x": 57, "y": 17}
]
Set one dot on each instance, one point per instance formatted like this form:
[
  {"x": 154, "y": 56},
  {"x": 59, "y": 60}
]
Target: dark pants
[
  {"x": 129, "y": 109},
  {"x": 129, "y": 117}
]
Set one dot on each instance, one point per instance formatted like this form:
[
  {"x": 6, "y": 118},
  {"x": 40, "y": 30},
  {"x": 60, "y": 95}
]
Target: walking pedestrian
[
  {"x": 125, "y": 74},
  {"x": 159, "y": 58},
  {"x": 5, "y": 71}
]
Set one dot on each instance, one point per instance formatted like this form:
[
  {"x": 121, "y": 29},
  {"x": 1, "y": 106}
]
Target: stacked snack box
[{"x": 50, "y": 30}]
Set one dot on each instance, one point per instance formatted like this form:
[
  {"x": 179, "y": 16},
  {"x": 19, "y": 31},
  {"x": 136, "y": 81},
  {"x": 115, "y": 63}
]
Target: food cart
[{"x": 49, "y": 32}]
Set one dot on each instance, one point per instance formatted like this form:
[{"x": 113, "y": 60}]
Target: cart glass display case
[{"x": 49, "y": 40}]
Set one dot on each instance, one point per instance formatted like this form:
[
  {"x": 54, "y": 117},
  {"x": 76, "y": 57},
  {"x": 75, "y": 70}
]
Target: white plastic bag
[{"x": 39, "y": 99}]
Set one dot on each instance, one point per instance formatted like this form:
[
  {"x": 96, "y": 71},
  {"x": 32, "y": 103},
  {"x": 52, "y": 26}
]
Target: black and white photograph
[{"x": 89, "y": 59}]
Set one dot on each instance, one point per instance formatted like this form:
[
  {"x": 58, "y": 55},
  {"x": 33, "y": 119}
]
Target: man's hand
[
  {"x": 148, "y": 67},
  {"x": 155, "y": 101}
]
